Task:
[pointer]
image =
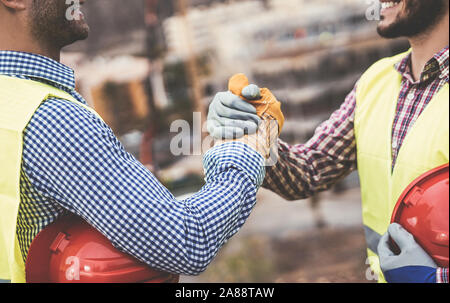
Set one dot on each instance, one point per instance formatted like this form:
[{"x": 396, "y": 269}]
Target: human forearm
[
  {"x": 80, "y": 166},
  {"x": 184, "y": 236},
  {"x": 300, "y": 174},
  {"x": 328, "y": 156}
]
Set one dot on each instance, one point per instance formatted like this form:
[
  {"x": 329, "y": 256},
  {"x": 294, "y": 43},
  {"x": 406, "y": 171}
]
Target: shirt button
[
  {"x": 394, "y": 145},
  {"x": 411, "y": 96}
]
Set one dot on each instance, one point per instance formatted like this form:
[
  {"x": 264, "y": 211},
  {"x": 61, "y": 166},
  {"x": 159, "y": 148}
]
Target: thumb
[
  {"x": 401, "y": 236},
  {"x": 251, "y": 92}
]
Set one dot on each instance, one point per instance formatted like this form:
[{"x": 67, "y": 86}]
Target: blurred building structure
[
  {"x": 116, "y": 28},
  {"x": 111, "y": 65}
]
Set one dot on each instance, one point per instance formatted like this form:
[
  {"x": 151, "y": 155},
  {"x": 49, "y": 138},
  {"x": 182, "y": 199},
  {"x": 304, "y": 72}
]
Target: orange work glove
[{"x": 267, "y": 105}]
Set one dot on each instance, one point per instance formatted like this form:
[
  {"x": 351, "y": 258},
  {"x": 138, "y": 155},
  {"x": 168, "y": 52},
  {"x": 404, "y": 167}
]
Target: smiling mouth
[{"x": 385, "y": 4}]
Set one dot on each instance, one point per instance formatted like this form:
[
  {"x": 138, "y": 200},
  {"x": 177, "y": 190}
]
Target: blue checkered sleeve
[{"x": 73, "y": 159}]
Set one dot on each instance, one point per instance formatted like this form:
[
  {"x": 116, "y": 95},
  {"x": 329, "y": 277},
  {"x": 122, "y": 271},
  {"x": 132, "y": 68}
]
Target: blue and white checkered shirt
[{"x": 72, "y": 162}]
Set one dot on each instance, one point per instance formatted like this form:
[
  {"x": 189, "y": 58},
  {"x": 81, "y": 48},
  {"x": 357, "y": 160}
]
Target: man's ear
[{"x": 15, "y": 5}]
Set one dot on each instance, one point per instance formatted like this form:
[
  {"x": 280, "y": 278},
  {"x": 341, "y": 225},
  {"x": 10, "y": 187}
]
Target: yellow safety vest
[
  {"x": 425, "y": 147},
  {"x": 19, "y": 100}
]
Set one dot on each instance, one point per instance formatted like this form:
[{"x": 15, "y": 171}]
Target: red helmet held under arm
[
  {"x": 423, "y": 210},
  {"x": 71, "y": 251}
]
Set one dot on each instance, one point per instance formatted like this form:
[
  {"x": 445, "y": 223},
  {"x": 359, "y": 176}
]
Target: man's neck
[
  {"x": 51, "y": 53},
  {"x": 13, "y": 41},
  {"x": 426, "y": 45}
]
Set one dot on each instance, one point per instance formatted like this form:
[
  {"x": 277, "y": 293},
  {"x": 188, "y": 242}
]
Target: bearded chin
[
  {"x": 75, "y": 31},
  {"x": 49, "y": 24},
  {"x": 419, "y": 18}
]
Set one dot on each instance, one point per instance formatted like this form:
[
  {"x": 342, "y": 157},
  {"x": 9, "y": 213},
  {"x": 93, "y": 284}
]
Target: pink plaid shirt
[{"x": 330, "y": 154}]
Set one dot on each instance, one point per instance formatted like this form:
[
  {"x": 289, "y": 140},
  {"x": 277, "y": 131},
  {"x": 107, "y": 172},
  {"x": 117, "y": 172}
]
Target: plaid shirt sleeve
[
  {"x": 330, "y": 155},
  {"x": 73, "y": 159},
  {"x": 442, "y": 275}
]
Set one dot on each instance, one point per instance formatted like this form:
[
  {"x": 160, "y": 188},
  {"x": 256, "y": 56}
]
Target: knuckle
[
  {"x": 219, "y": 97},
  {"x": 211, "y": 109},
  {"x": 233, "y": 123},
  {"x": 212, "y": 114},
  {"x": 234, "y": 102},
  {"x": 225, "y": 112}
]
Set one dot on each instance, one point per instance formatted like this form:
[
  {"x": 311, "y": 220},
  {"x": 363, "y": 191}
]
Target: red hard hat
[
  {"x": 71, "y": 251},
  {"x": 423, "y": 211}
]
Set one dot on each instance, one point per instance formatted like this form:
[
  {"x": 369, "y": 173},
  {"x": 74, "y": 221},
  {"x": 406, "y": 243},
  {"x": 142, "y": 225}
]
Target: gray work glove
[
  {"x": 230, "y": 117},
  {"x": 413, "y": 264}
]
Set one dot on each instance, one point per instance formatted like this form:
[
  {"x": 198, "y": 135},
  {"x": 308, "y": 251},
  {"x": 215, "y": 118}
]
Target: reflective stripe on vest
[
  {"x": 425, "y": 147},
  {"x": 19, "y": 99}
]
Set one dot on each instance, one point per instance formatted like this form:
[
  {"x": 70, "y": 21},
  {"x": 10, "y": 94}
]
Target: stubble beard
[
  {"x": 417, "y": 18},
  {"x": 50, "y": 26}
]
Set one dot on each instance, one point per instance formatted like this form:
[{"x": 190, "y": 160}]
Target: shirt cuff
[
  {"x": 235, "y": 155},
  {"x": 442, "y": 275}
]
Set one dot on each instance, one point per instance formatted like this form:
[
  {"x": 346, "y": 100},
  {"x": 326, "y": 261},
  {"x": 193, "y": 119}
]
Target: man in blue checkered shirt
[{"x": 73, "y": 163}]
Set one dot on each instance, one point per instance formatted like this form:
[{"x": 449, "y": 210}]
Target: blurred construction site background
[{"x": 148, "y": 63}]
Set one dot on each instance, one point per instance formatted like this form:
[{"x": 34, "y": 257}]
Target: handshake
[{"x": 248, "y": 114}]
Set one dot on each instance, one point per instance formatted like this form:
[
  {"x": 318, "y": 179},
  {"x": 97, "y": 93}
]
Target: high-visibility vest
[
  {"x": 425, "y": 147},
  {"x": 19, "y": 100}
]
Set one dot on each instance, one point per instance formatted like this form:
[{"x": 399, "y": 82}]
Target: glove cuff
[{"x": 411, "y": 274}]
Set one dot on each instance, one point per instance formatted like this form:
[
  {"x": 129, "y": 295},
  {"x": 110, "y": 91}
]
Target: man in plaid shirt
[{"x": 331, "y": 153}]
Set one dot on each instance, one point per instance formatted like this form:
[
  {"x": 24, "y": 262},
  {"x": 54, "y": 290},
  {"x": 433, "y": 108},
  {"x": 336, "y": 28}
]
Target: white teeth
[{"x": 385, "y": 5}]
